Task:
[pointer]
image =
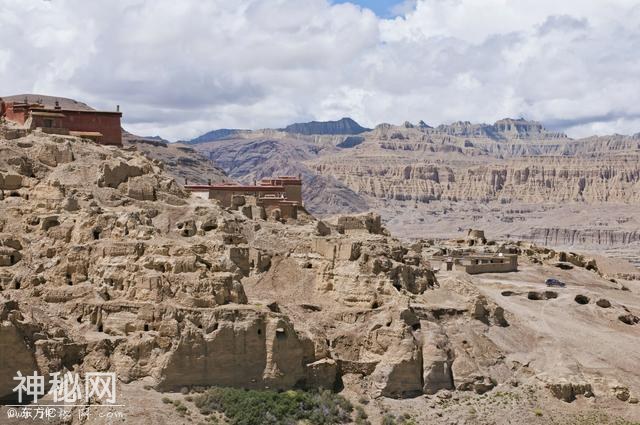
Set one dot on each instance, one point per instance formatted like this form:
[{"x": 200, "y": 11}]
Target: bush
[
  {"x": 361, "y": 416},
  {"x": 252, "y": 407},
  {"x": 360, "y": 413},
  {"x": 389, "y": 420}
]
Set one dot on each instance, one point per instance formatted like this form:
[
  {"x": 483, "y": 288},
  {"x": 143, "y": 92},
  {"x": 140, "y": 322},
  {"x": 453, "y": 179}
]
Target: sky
[
  {"x": 384, "y": 8},
  {"x": 179, "y": 69}
]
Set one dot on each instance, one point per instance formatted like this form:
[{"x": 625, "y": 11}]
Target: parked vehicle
[{"x": 554, "y": 282}]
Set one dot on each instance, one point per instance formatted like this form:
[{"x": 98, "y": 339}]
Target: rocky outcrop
[
  {"x": 437, "y": 358},
  {"x": 398, "y": 374},
  {"x": 568, "y": 391},
  {"x": 233, "y": 347},
  {"x": 17, "y": 350}
]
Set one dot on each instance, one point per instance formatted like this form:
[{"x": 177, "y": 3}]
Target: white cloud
[{"x": 182, "y": 68}]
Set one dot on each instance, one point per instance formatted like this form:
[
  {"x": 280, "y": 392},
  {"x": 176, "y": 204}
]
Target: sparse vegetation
[
  {"x": 253, "y": 407},
  {"x": 361, "y": 416},
  {"x": 405, "y": 419},
  {"x": 180, "y": 408},
  {"x": 597, "y": 418}
]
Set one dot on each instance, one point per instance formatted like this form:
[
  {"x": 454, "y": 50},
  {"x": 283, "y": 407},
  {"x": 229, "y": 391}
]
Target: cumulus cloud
[{"x": 179, "y": 69}]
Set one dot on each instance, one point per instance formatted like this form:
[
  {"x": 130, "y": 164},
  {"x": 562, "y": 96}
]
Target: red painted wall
[
  {"x": 107, "y": 123},
  {"x": 18, "y": 114}
]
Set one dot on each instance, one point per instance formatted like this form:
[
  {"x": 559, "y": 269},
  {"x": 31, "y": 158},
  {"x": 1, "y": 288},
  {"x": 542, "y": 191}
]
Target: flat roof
[
  {"x": 472, "y": 256},
  {"x": 287, "y": 180},
  {"x": 76, "y": 111},
  {"x": 236, "y": 187},
  {"x": 249, "y": 188},
  {"x": 47, "y": 114},
  {"x": 279, "y": 201}
]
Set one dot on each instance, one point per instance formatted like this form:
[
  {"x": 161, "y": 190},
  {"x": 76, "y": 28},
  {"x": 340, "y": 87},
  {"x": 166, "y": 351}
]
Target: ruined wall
[
  {"x": 364, "y": 223},
  {"x": 287, "y": 210}
]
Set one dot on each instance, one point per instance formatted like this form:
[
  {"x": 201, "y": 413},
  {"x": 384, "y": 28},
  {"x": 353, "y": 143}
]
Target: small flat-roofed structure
[
  {"x": 482, "y": 263},
  {"x": 500, "y": 263}
]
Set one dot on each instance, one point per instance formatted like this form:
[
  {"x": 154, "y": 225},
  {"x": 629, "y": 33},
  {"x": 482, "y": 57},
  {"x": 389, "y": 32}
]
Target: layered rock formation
[{"x": 535, "y": 180}]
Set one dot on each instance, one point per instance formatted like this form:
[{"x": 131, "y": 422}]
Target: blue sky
[{"x": 382, "y": 8}]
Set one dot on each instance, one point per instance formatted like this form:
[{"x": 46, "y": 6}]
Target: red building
[
  {"x": 283, "y": 193},
  {"x": 101, "y": 126}
]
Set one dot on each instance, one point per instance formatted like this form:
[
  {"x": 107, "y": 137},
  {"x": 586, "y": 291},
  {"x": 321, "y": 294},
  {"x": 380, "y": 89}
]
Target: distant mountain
[
  {"x": 343, "y": 126},
  {"x": 157, "y": 139},
  {"x": 49, "y": 101},
  {"x": 502, "y": 130},
  {"x": 212, "y": 136},
  {"x": 184, "y": 163}
]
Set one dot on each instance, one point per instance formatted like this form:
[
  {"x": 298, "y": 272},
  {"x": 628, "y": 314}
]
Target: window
[{"x": 48, "y": 123}]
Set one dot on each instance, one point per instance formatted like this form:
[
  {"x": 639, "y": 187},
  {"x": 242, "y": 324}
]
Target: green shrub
[
  {"x": 361, "y": 416},
  {"x": 404, "y": 419},
  {"x": 166, "y": 400},
  {"x": 389, "y": 420},
  {"x": 252, "y": 407},
  {"x": 360, "y": 413}
]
